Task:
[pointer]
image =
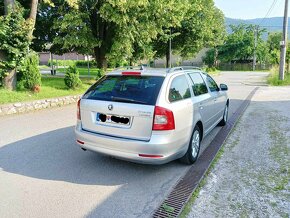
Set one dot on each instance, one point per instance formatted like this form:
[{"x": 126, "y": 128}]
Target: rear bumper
[{"x": 165, "y": 144}]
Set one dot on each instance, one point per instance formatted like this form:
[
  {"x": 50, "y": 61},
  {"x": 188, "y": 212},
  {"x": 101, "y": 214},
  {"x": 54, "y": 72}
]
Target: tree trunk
[
  {"x": 100, "y": 55},
  {"x": 32, "y": 16},
  {"x": 168, "y": 55},
  {"x": 10, "y": 80},
  {"x": 215, "y": 57}
]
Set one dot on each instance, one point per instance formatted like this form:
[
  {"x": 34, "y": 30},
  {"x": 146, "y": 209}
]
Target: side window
[
  {"x": 179, "y": 89},
  {"x": 199, "y": 86},
  {"x": 211, "y": 84}
]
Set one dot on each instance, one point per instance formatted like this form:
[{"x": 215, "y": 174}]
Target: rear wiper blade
[{"x": 126, "y": 100}]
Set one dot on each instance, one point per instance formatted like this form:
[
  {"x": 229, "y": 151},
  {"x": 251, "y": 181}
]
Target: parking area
[{"x": 44, "y": 173}]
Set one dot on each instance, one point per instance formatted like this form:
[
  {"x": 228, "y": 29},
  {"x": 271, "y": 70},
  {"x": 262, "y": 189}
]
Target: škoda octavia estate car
[{"x": 151, "y": 115}]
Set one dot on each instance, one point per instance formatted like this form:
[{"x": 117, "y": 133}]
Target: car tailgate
[{"x": 119, "y": 119}]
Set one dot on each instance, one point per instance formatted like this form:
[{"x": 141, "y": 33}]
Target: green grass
[
  {"x": 273, "y": 78},
  {"x": 42, "y": 67},
  {"x": 82, "y": 71},
  {"x": 50, "y": 88}
]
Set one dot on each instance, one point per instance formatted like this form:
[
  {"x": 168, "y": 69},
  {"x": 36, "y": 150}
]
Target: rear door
[
  {"x": 202, "y": 99},
  {"x": 121, "y": 106},
  {"x": 181, "y": 104}
]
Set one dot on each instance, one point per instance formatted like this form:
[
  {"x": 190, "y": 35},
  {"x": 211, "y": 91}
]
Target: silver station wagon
[{"x": 149, "y": 115}]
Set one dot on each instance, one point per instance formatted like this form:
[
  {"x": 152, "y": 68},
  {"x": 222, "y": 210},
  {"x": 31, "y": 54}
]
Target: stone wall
[{"x": 24, "y": 107}]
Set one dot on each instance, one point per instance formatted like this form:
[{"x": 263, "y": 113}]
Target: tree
[
  {"x": 201, "y": 26},
  {"x": 14, "y": 43},
  {"x": 239, "y": 45},
  {"x": 16, "y": 35},
  {"x": 273, "y": 43},
  {"x": 113, "y": 29},
  {"x": 45, "y": 33}
]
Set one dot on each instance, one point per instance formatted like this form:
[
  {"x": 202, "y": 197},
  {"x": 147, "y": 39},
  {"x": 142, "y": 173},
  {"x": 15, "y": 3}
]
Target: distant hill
[{"x": 273, "y": 24}]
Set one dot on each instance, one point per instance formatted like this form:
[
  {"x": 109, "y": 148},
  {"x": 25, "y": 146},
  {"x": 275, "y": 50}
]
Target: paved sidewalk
[{"x": 251, "y": 179}]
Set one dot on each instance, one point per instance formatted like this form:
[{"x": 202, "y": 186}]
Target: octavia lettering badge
[{"x": 110, "y": 107}]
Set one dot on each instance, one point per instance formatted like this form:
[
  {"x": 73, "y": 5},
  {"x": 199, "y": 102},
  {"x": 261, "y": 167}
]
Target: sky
[{"x": 249, "y": 9}]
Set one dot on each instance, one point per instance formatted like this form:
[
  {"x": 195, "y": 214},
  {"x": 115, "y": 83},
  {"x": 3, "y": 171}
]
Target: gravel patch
[{"x": 251, "y": 179}]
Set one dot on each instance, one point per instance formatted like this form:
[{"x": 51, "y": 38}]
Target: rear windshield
[{"x": 130, "y": 89}]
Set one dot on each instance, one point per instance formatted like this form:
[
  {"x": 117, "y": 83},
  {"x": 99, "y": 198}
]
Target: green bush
[
  {"x": 29, "y": 75},
  {"x": 71, "y": 78},
  {"x": 210, "y": 69},
  {"x": 100, "y": 73}
]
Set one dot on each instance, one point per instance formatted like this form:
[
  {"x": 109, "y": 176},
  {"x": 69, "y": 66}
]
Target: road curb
[
  {"x": 176, "y": 200},
  {"x": 36, "y": 105}
]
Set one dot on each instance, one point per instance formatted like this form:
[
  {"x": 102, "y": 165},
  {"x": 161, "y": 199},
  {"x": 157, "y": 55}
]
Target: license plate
[{"x": 113, "y": 119}]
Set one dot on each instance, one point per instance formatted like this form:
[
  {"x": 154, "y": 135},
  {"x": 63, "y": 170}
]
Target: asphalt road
[{"x": 43, "y": 173}]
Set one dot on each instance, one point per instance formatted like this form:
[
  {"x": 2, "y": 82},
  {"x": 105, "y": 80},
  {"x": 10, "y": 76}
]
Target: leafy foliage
[
  {"x": 273, "y": 43},
  {"x": 71, "y": 78},
  {"x": 239, "y": 45},
  {"x": 14, "y": 41},
  {"x": 115, "y": 31},
  {"x": 201, "y": 26},
  {"x": 30, "y": 75},
  {"x": 208, "y": 59}
]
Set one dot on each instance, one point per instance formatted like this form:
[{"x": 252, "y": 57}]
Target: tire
[
  {"x": 224, "y": 121},
  {"x": 193, "y": 148}
]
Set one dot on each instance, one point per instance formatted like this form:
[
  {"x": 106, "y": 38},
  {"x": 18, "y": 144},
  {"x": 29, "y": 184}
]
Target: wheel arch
[{"x": 200, "y": 126}]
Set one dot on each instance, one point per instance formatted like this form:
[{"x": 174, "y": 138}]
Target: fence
[{"x": 242, "y": 66}]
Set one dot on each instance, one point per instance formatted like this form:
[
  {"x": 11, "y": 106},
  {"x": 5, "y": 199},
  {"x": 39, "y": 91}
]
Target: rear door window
[
  {"x": 129, "y": 89},
  {"x": 199, "y": 86},
  {"x": 179, "y": 89}
]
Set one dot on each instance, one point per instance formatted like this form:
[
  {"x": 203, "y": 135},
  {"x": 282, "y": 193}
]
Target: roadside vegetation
[
  {"x": 273, "y": 78},
  {"x": 51, "y": 87},
  {"x": 82, "y": 71},
  {"x": 140, "y": 33}
]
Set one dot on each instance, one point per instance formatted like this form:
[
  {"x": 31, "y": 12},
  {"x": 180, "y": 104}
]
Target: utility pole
[
  {"x": 283, "y": 43},
  {"x": 170, "y": 61},
  {"x": 255, "y": 47}
]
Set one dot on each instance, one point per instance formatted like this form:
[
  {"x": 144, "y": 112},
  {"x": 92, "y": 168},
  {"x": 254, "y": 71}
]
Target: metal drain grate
[{"x": 173, "y": 205}]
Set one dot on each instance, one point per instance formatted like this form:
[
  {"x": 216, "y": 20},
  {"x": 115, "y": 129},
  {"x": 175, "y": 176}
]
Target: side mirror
[{"x": 223, "y": 87}]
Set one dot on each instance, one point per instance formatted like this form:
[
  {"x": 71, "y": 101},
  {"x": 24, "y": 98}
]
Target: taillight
[
  {"x": 163, "y": 119},
  {"x": 79, "y": 109}
]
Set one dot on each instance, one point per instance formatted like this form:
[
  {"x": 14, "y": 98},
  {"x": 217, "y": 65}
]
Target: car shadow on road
[{"x": 55, "y": 156}]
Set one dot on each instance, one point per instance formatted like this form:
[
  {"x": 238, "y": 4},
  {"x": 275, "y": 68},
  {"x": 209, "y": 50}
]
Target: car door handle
[
  {"x": 215, "y": 99},
  {"x": 200, "y": 106}
]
